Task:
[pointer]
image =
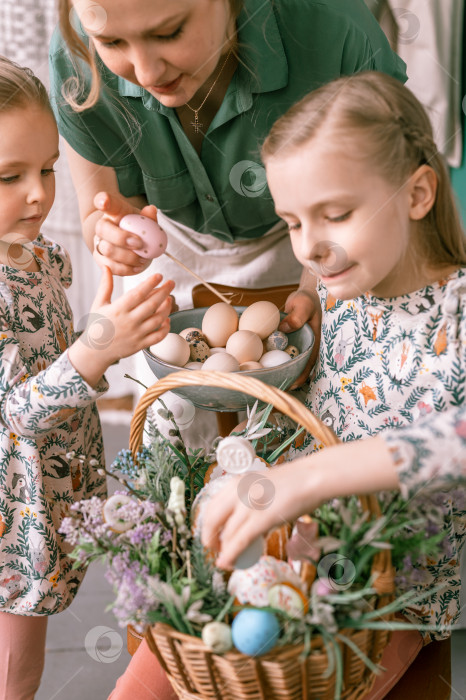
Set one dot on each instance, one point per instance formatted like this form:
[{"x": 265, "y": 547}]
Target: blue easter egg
[{"x": 254, "y": 631}]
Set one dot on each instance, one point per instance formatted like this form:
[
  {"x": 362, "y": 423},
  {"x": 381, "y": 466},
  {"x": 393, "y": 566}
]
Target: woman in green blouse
[{"x": 167, "y": 104}]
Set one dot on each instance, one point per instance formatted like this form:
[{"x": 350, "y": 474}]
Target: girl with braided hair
[{"x": 356, "y": 175}]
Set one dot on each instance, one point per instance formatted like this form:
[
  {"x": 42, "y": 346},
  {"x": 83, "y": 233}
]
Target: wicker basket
[{"x": 284, "y": 673}]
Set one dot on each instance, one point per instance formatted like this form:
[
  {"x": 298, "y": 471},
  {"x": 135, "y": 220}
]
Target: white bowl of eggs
[{"x": 226, "y": 338}]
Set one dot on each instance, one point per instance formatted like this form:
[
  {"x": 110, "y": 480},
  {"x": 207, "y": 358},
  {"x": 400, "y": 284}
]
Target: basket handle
[{"x": 282, "y": 401}]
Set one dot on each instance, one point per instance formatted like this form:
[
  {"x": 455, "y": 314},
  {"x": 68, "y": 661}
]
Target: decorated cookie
[
  {"x": 251, "y": 586},
  {"x": 235, "y": 454}
]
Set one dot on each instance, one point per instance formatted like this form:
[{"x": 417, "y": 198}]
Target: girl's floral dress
[
  {"x": 388, "y": 363},
  {"x": 48, "y": 418}
]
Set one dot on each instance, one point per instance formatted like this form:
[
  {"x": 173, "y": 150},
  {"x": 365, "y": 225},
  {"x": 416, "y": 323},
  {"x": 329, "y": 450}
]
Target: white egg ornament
[
  {"x": 172, "y": 349},
  {"x": 219, "y": 322},
  {"x": 262, "y": 318},
  {"x": 154, "y": 238},
  {"x": 217, "y": 637},
  {"x": 255, "y": 632},
  {"x": 273, "y": 358},
  {"x": 112, "y": 512},
  {"x": 246, "y": 346}
]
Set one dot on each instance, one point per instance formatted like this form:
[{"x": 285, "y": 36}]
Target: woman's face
[{"x": 168, "y": 48}]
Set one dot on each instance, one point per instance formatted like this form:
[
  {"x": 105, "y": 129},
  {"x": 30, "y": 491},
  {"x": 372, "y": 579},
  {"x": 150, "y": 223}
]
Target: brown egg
[
  {"x": 246, "y": 346},
  {"x": 219, "y": 322},
  {"x": 262, "y": 318}
]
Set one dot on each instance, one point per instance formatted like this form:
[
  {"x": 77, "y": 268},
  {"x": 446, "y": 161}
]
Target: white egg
[
  {"x": 194, "y": 365},
  {"x": 217, "y": 637},
  {"x": 219, "y": 322},
  {"x": 248, "y": 366},
  {"x": 262, "y": 318},
  {"x": 246, "y": 346},
  {"x": 274, "y": 358},
  {"x": 222, "y": 362},
  {"x": 214, "y": 350},
  {"x": 172, "y": 349}
]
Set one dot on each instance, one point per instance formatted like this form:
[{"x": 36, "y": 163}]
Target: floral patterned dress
[
  {"x": 398, "y": 365},
  {"x": 48, "y": 419}
]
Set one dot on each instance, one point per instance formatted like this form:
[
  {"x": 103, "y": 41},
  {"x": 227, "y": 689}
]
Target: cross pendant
[{"x": 196, "y": 123}]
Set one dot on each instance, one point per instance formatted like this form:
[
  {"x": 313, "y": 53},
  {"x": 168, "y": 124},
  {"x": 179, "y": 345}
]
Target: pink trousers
[
  {"x": 145, "y": 680},
  {"x": 22, "y": 653}
]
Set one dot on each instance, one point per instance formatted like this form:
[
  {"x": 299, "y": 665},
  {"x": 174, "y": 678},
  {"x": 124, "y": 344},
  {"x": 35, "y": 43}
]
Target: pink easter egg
[{"x": 155, "y": 238}]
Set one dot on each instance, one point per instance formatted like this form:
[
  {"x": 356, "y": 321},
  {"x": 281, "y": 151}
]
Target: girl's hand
[
  {"x": 115, "y": 248},
  {"x": 253, "y": 504},
  {"x": 303, "y": 306},
  {"x": 115, "y": 330}
]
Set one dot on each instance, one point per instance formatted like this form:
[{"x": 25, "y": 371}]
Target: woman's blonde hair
[
  {"x": 19, "y": 87},
  {"x": 398, "y": 139},
  {"x": 73, "y": 88}
]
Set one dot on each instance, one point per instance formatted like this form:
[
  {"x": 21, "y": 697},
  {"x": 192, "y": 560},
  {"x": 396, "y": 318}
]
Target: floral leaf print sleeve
[
  {"x": 430, "y": 454},
  {"x": 39, "y": 387},
  {"x": 50, "y": 436}
]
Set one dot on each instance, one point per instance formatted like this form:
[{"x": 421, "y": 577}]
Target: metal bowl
[{"x": 217, "y": 399}]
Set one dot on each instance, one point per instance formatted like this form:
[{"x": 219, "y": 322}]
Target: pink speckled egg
[{"x": 154, "y": 238}]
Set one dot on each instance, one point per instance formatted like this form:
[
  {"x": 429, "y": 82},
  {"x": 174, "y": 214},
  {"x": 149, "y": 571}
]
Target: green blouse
[{"x": 287, "y": 49}]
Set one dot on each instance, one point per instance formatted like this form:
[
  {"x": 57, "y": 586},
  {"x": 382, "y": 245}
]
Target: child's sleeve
[
  {"x": 34, "y": 404},
  {"x": 430, "y": 454}
]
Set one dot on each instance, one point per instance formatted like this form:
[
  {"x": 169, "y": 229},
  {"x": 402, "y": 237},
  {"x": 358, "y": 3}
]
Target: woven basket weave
[{"x": 284, "y": 673}]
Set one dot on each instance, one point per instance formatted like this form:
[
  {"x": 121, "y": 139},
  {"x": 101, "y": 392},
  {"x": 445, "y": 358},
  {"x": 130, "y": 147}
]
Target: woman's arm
[{"x": 101, "y": 207}]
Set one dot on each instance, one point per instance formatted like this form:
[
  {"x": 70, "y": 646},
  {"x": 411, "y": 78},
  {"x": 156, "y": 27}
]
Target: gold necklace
[{"x": 196, "y": 123}]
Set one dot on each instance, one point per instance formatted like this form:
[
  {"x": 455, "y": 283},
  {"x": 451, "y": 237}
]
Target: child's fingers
[
  {"x": 156, "y": 302},
  {"x": 105, "y": 289},
  {"x": 141, "y": 293},
  {"x": 236, "y": 536},
  {"x": 153, "y": 321}
]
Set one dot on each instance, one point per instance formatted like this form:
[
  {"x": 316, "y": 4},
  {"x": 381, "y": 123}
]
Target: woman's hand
[
  {"x": 113, "y": 247},
  {"x": 302, "y": 307},
  {"x": 121, "y": 328}
]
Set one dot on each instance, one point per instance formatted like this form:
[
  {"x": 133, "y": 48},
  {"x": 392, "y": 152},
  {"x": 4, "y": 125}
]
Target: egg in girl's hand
[
  {"x": 221, "y": 362},
  {"x": 274, "y": 358},
  {"x": 172, "y": 349},
  {"x": 262, "y": 318},
  {"x": 255, "y": 632},
  {"x": 219, "y": 322},
  {"x": 246, "y": 346}
]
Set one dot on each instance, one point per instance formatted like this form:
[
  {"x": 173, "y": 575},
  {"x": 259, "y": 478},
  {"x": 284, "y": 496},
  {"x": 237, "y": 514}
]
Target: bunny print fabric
[
  {"x": 387, "y": 363},
  {"x": 50, "y": 435}
]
